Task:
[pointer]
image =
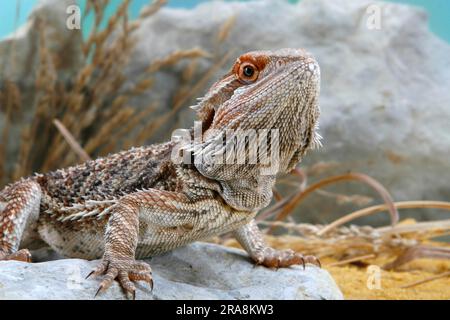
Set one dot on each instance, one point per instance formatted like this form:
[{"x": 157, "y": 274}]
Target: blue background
[{"x": 438, "y": 11}]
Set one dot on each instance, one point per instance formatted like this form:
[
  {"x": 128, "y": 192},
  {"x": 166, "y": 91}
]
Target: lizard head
[{"x": 273, "y": 93}]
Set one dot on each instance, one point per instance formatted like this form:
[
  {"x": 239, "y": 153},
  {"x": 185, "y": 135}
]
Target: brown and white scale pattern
[{"x": 137, "y": 203}]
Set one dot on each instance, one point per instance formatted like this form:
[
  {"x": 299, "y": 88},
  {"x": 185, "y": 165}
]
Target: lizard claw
[
  {"x": 22, "y": 255},
  {"x": 272, "y": 258},
  {"x": 125, "y": 271},
  {"x": 313, "y": 260},
  {"x": 90, "y": 274},
  {"x": 142, "y": 276},
  {"x": 98, "y": 291}
]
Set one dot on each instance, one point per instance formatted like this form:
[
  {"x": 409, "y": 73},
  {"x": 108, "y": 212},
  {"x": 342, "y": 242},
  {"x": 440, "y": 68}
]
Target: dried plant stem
[
  {"x": 419, "y": 251},
  {"x": 225, "y": 29},
  {"x": 10, "y": 53},
  {"x": 417, "y": 227},
  {"x": 202, "y": 82},
  {"x": 351, "y": 260},
  {"x": 159, "y": 121},
  {"x": 131, "y": 124},
  {"x": 379, "y": 208},
  {"x": 439, "y": 276},
  {"x": 93, "y": 95},
  {"x": 152, "y": 9},
  {"x": 284, "y": 208},
  {"x": 276, "y": 195},
  {"x": 302, "y": 176},
  {"x": 74, "y": 145},
  {"x": 174, "y": 57},
  {"x": 105, "y": 131},
  {"x": 10, "y": 101}
]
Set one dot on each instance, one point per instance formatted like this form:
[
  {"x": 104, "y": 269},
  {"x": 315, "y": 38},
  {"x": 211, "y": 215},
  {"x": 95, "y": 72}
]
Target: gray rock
[
  {"x": 385, "y": 98},
  {"x": 198, "y": 271},
  {"x": 20, "y": 58},
  {"x": 19, "y": 51}
]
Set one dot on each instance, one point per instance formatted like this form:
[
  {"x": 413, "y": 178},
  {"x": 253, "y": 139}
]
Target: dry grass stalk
[
  {"x": 71, "y": 141},
  {"x": 101, "y": 77},
  {"x": 379, "y": 208},
  {"x": 39, "y": 129},
  {"x": 10, "y": 102},
  {"x": 351, "y": 260},
  {"x": 400, "y": 243},
  {"x": 226, "y": 28},
  {"x": 92, "y": 97},
  {"x": 103, "y": 135},
  {"x": 439, "y": 276},
  {"x": 356, "y": 199},
  {"x": 321, "y": 167},
  {"x": 186, "y": 91},
  {"x": 10, "y": 53},
  {"x": 180, "y": 101},
  {"x": 151, "y": 10},
  {"x": 202, "y": 82},
  {"x": 283, "y": 208},
  {"x": 175, "y": 57},
  {"x": 417, "y": 252}
]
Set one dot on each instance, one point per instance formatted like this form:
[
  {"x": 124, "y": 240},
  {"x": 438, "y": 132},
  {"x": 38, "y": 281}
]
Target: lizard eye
[{"x": 248, "y": 72}]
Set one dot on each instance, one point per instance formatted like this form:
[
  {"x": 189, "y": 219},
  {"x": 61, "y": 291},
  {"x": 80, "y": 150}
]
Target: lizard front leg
[
  {"x": 19, "y": 208},
  {"x": 162, "y": 210},
  {"x": 251, "y": 239}
]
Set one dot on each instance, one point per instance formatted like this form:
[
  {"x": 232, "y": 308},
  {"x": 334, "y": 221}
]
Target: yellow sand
[{"x": 353, "y": 280}]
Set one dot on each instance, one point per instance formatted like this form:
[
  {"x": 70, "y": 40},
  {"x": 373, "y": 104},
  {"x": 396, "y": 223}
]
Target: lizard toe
[
  {"x": 272, "y": 258},
  {"x": 125, "y": 271},
  {"x": 108, "y": 279},
  {"x": 100, "y": 269},
  {"x": 141, "y": 276},
  {"x": 313, "y": 260},
  {"x": 126, "y": 284},
  {"x": 23, "y": 255}
]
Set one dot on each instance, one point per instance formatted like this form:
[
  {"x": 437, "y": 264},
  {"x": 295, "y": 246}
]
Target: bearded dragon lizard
[{"x": 140, "y": 202}]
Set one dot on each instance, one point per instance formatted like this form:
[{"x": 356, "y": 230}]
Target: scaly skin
[{"x": 142, "y": 202}]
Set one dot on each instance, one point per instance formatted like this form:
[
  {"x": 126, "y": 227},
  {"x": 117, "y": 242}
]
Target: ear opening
[
  {"x": 205, "y": 113},
  {"x": 208, "y": 119},
  {"x": 220, "y": 92}
]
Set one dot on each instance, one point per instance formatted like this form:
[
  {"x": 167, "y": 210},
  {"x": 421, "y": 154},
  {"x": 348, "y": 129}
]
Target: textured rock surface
[
  {"x": 385, "y": 98},
  {"x": 19, "y": 51},
  {"x": 199, "y": 271},
  {"x": 20, "y": 56}
]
